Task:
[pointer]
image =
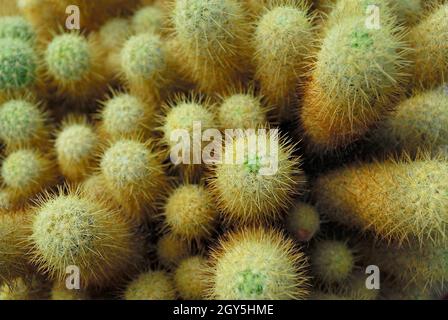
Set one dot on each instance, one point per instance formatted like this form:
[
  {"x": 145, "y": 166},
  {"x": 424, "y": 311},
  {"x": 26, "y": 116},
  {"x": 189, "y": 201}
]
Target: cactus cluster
[{"x": 223, "y": 149}]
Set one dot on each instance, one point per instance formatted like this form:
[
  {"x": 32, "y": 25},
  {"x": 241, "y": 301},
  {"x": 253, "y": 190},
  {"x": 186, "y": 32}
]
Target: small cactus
[
  {"x": 303, "y": 221},
  {"x": 171, "y": 249},
  {"x": 258, "y": 264},
  {"x": 76, "y": 229},
  {"x": 190, "y": 278},
  {"x": 190, "y": 212},
  {"x": 16, "y": 27},
  {"x": 152, "y": 285},
  {"x": 148, "y": 19}
]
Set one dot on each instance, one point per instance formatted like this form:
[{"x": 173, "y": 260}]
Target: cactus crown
[
  {"x": 18, "y": 64},
  {"x": 68, "y": 57},
  {"x": 143, "y": 56},
  {"x": 147, "y": 19},
  {"x": 152, "y": 285},
  {"x": 22, "y": 168},
  {"x": 242, "y": 111},
  {"x": 76, "y": 142}
]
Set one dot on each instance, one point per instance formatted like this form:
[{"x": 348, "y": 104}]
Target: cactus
[
  {"x": 258, "y": 264},
  {"x": 16, "y": 27},
  {"x": 181, "y": 114},
  {"x": 242, "y": 111},
  {"x": 148, "y": 19},
  {"x": 359, "y": 74},
  {"x": 397, "y": 200},
  {"x": 144, "y": 65},
  {"x": 332, "y": 261},
  {"x": 75, "y": 229},
  {"x": 430, "y": 43},
  {"x": 418, "y": 123},
  {"x": 18, "y": 65},
  {"x": 126, "y": 115},
  {"x": 283, "y": 41},
  {"x": 171, "y": 249},
  {"x": 247, "y": 194},
  {"x": 73, "y": 64},
  {"x": 26, "y": 172},
  {"x": 213, "y": 36},
  {"x": 134, "y": 175},
  {"x": 76, "y": 144},
  {"x": 23, "y": 123},
  {"x": 303, "y": 221},
  {"x": 190, "y": 278},
  {"x": 13, "y": 232},
  {"x": 152, "y": 285},
  {"x": 190, "y": 212}
]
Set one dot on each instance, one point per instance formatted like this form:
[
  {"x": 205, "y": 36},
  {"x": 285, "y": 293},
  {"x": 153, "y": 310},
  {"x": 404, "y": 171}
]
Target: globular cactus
[
  {"x": 148, "y": 19},
  {"x": 429, "y": 40},
  {"x": 359, "y": 73},
  {"x": 126, "y": 115},
  {"x": 242, "y": 111},
  {"x": 7, "y": 199},
  {"x": 152, "y": 285},
  {"x": 59, "y": 291},
  {"x": 26, "y": 172},
  {"x": 190, "y": 212},
  {"x": 13, "y": 233},
  {"x": 23, "y": 123},
  {"x": 75, "y": 229},
  {"x": 134, "y": 175},
  {"x": 256, "y": 186},
  {"x": 17, "y": 27},
  {"x": 76, "y": 146},
  {"x": 73, "y": 64},
  {"x": 418, "y": 123},
  {"x": 332, "y": 261},
  {"x": 190, "y": 278},
  {"x": 213, "y": 38},
  {"x": 303, "y": 221},
  {"x": 144, "y": 66},
  {"x": 182, "y": 115},
  {"x": 43, "y": 15},
  {"x": 172, "y": 249},
  {"x": 396, "y": 200},
  {"x": 18, "y": 66},
  {"x": 258, "y": 264},
  {"x": 283, "y": 42}
]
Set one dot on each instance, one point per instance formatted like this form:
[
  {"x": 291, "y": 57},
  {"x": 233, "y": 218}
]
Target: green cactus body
[
  {"x": 190, "y": 212},
  {"x": 283, "y": 41},
  {"x": 76, "y": 230},
  {"x": 18, "y": 65},
  {"x": 213, "y": 37},
  {"x": 359, "y": 74},
  {"x": 258, "y": 264},
  {"x": 16, "y": 27},
  {"x": 396, "y": 200},
  {"x": 244, "y": 193},
  {"x": 23, "y": 124},
  {"x": 152, "y": 285}
]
